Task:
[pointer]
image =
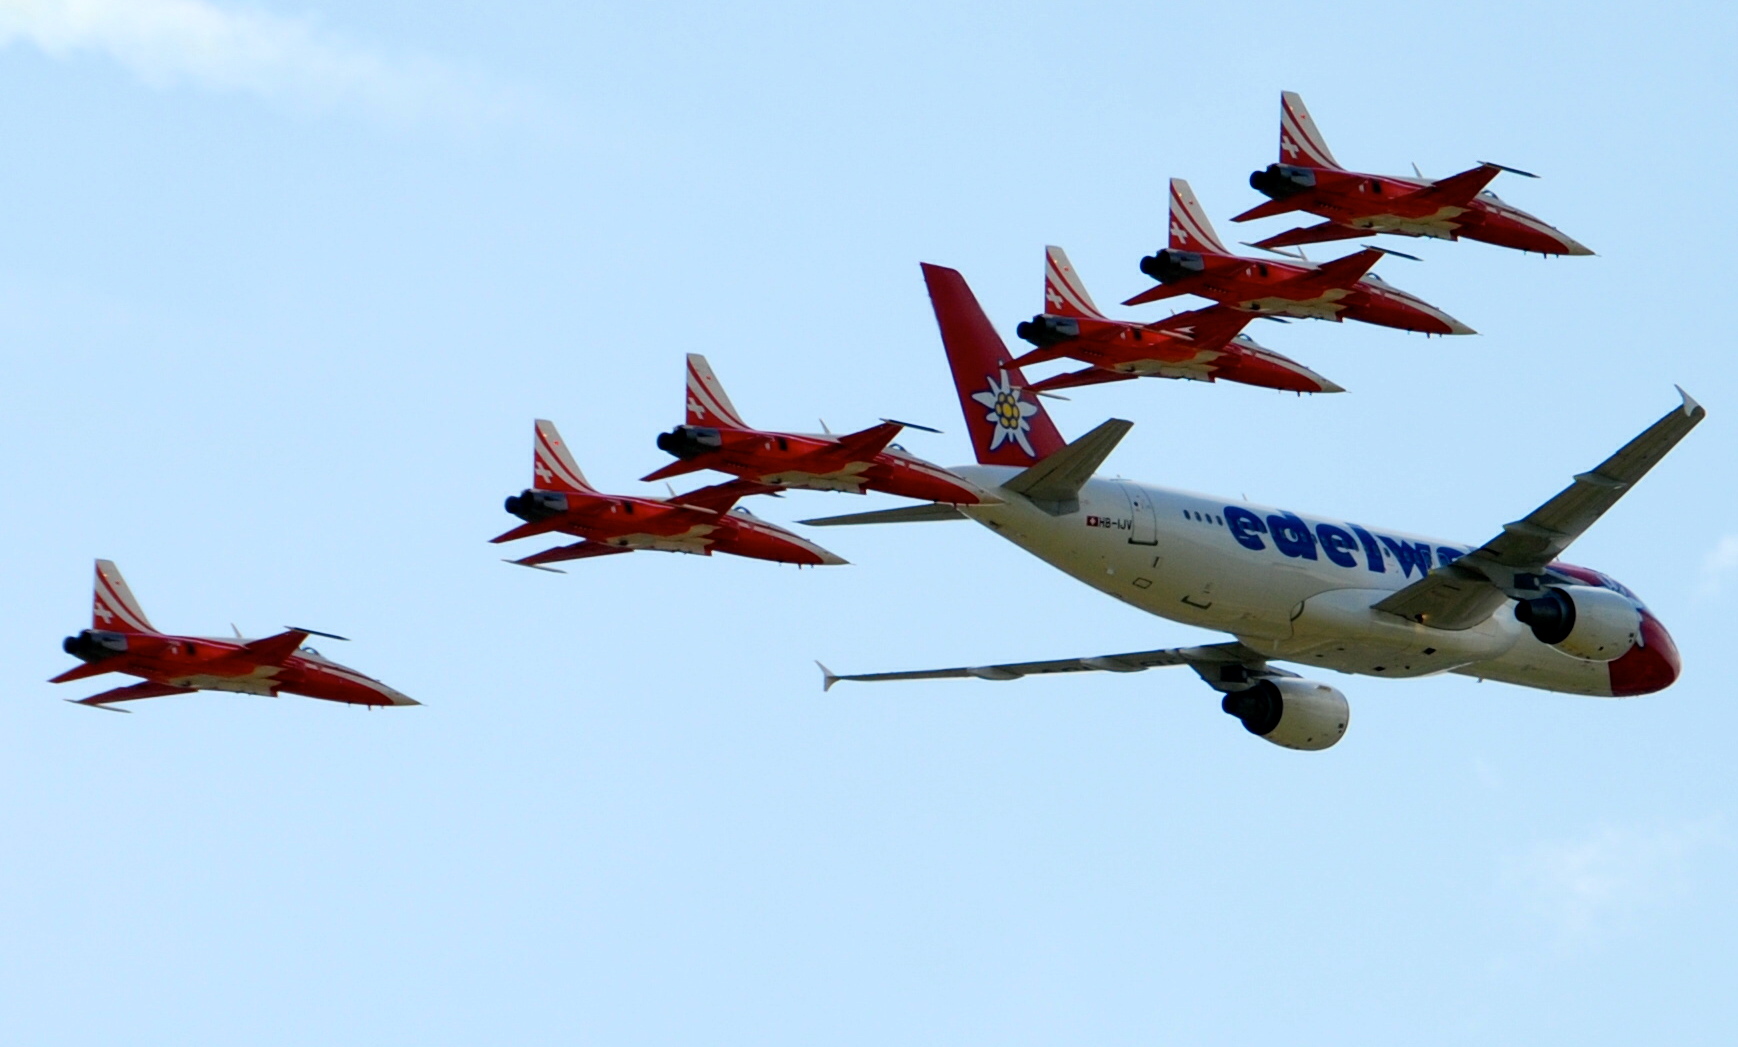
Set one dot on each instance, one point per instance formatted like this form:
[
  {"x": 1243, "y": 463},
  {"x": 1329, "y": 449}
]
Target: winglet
[
  {"x": 1691, "y": 407},
  {"x": 828, "y": 679}
]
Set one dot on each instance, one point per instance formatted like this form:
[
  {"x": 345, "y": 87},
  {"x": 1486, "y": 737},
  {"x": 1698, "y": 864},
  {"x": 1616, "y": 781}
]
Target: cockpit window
[{"x": 310, "y": 650}]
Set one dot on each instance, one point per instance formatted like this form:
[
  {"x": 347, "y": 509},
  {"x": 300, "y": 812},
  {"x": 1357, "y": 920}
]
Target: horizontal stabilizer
[
  {"x": 904, "y": 514},
  {"x": 1054, "y": 484}
]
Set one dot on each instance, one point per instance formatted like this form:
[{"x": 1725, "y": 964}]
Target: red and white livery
[
  {"x": 1202, "y": 345},
  {"x": 701, "y": 522},
  {"x": 122, "y": 640},
  {"x": 1342, "y": 289},
  {"x": 1307, "y": 178},
  {"x": 715, "y": 437}
]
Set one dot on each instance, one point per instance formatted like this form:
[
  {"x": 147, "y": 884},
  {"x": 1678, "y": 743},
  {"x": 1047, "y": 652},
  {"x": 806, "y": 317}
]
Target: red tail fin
[
  {"x": 1190, "y": 230},
  {"x": 1008, "y": 425},
  {"x": 553, "y": 467},
  {"x": 1064, "y": 294},
  {"x": 114, "y": 607},
  {"x": 1299, "y": 141},
  {"x": 707, "y": 403}
]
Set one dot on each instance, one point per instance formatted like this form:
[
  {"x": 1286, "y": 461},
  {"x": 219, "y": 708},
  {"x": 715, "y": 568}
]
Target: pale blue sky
[{"x": 283, "y": 284}]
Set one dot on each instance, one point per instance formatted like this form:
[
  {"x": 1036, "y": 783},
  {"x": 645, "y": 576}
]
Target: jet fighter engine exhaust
[
  {"x": 690, "y": 441},
  {"x": 1279, "y": 181},
  {"x": 1042, "y": 331},
  {"x": 1294, "y": 713},
  {"x": 1171, "y": 264},
  {"x": 536, "y": 505},
  {"x": 1583, "y": 620},
  {"x": 93, "y": 645}
]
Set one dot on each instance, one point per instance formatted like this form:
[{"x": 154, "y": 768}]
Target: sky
[{"x": 283, "y": 285}]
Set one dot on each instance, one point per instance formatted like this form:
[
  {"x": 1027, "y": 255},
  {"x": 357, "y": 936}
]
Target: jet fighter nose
[{"x": 1653, "y": 665}]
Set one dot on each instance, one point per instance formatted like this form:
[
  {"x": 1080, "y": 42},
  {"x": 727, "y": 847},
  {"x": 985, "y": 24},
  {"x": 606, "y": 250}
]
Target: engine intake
[
  {"x": 1170, "y": 265},
  {"x": 536, "y": 505},
  {"x": 1045, "y": 330},
  {"x": 690, "y": 441},
  {"x": 1583, "y": 620},
  {"x": 93, "y": 645},
  {"x": 1294, "y": 713},
  {"x": 1279, "y": 181}
]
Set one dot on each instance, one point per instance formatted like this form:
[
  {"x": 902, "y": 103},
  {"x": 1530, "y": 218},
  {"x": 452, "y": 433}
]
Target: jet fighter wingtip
[
  {"x": 533, "y": 566},
  {"x": 91, "y": 705}
]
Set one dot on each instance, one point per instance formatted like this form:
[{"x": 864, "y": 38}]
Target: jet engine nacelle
[
  {"x": 93, "y": 645},
  {"x": 1045, "y": 330},
  {"x": 1583, "y": 620},
  {"x": 1279, "y": 181},
  {"x": 690, "y": 441},
  {"x": 1298, "y": 714},
  {"x": 1170, "y": 265},
  {"x": 536, "y": 505}
]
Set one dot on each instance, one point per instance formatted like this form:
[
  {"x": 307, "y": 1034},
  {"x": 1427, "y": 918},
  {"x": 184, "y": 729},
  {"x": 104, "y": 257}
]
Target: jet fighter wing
[
  {"x": 1461, "y": 594},
  {"x": 1199, "y": 658},
  {"x": 273, "y": 650},
  {"x": 1457, "y": 190},
  {"x": 1071, "y": 379},
  {"x": 133, "y": 693},
  {"x": 720, "y": 497},
  {"x": 1208, "y": 328},
  {"x": 1314, "y": 234},
  {"x": 862, "y": 445},
  {"x": 576, "y": 551},
  {"x": 1342, "y": 272}
]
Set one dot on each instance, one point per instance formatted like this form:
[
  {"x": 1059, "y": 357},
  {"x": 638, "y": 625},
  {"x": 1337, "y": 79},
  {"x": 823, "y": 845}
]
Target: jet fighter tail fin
[
  {"x": 553, "y": 467},
  {"x": 708, "y": 405},
  {"x": 1299, "y": 141},
  {"x": 1007, "y": 424},
  {"x": 1064, "y": 293},
  {"x": 114, "y": 607},
  {"x": 1190, "y": 230}
]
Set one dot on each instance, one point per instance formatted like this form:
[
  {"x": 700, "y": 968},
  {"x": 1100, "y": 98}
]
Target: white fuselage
[{"x": 1296, "y": 588}]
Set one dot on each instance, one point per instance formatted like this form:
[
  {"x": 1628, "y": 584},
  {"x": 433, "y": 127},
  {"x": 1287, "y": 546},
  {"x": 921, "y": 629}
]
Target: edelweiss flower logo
[{"x": 1008, "y": 413}]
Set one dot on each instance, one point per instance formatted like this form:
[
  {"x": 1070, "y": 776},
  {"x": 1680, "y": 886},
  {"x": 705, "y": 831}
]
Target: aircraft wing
[
  {"x": 1155, "y": 293},
  {"x": 720, "y": 497},
  {"x": 1329, "y": 276},
  {"x": 272, "y": 650},
  {"x": 576, "y": 551},
  {"x": 863, "y": 445},
  {"x": 1465, "y": 592},
  {"x": 1456, "y": 190},
  {"x": 128, "y": 694},
  {"x": 1202, "y": 659},
  {"x": 1208, "y": 328},
  {"x": 1071, "y": 379}
]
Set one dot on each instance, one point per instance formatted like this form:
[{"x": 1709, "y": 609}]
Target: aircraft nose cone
[
  {"x": 1573, "y": 248},
  {"x": 1652, "y": 666}
]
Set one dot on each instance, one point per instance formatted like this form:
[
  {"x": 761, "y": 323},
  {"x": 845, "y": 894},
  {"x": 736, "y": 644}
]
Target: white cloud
[
  {"x": 1719, "y": 564},
  {"x": 248, "y": 50},
  {"x": 1587, "y": 885}
]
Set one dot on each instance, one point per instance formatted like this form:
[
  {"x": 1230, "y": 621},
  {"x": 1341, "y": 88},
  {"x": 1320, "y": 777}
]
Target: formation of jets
[{"x": 1312, "y": 591}]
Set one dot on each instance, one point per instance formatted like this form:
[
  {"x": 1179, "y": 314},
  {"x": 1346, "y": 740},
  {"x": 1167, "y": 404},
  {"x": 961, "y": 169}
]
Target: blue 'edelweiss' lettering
[
  {"x": 1294, "y": 538},
  {"x": 1410, "y": 555}
]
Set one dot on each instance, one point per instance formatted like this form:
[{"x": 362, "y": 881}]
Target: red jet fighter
[
  {"x": 122, "y": 640},
  {"x": 1308, "y": 178},
  {"x": 1197, "y": 263},
  {"x": 716, "y": 437},
  {"x": 1202, "y": 345},
  {"x": 700, "y": 521}
]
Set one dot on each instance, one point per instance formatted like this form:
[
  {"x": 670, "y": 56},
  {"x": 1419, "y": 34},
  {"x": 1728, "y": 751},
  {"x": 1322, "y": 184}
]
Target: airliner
[{"x": 1314, "y": 591}]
